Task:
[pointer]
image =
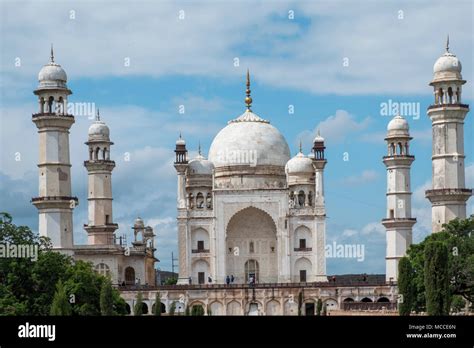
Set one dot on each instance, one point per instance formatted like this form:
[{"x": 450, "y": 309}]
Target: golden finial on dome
[{"x": 248, "y": 98}]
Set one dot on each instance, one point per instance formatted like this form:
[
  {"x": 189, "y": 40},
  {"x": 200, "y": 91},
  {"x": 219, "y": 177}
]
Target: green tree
[
  {"x": 60, "y": 305},
  {"x": 405, "y": 286},
  {"x": 27, "y": 286},
  {"x": 457, "y": 304},
  {"x": 300, "y": 303},
  {"x": 458, "y": 237},
  {"x": 197, "y": 310},
  {"x": 157, "y": 304},
  {"x": 106, "y": 298},
  {"x": 319, "y": 307},
  {"x": 172, "y": 308},
  {"x": 436, "y": 279},
  {"x": 138, "y": 309},
  {"x": 171, "y": 281}
]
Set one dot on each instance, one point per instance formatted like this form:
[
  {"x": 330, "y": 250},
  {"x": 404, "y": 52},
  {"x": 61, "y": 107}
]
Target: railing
[
  {"x": 447, "y": 191},
  {"x": 303, "y": 249},
  {"x": 195, "y": 251},
  {"x": 54, "y": 198},
  {"x": 39, "y": 114},
  {"x": 329, "y": 284},
  {"x": 435, "y": 106},
  {"x": 368, "y": 306}
]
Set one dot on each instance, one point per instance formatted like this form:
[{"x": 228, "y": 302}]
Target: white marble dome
[
  {"x": 398, "y": 126},
  {"x": 99, "y": 131},
  {"x": 200, "y": 166},
  {"x": 139, "y": 223},
  {"x": 300, "y": 164},
  {"x": 248, "y": 138},
  {"x": 52, "y": 75},
  {"x": 448, "y": 62}
]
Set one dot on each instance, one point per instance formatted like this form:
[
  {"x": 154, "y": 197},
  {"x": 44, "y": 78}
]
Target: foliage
[
  {"x": 138, "y": 309},
  {"x": 60, "y": 305},
  {"x": 106, "y": 298},
  {"x": 27, "y": 286},
  {"x": 436, "y": 279},
  {"x": 457, "y": 304},
  {"x": 458, "y": 237},
  {"x": 197, "y": 310},
  {"x": 405, "y": 286},
  {"x": 171, "y": 281},
  {"x": 319, "y": 307},
  {"x": 173, "y": 308},
  {"x": 157, "y": 304}
]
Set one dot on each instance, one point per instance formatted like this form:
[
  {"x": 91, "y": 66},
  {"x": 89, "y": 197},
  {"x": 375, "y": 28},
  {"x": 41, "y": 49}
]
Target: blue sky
[{"x": 390, "y": 49}]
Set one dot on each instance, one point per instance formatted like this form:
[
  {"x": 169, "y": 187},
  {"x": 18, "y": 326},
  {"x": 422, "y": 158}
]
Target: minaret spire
[
  {"x": 248, "y": 98},
  {"x": 52, "y": 54}
]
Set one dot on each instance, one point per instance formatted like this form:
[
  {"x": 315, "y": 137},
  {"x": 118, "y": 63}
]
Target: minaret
[
  {"x": 100, "y": 228},
  {"x": 398, "y": 222},
  {"x": 181, "y": 163},
  {"x": 319, "y": 162},
  {"x": 54, "y": 202},
  {"x": 448, "y": 195}
]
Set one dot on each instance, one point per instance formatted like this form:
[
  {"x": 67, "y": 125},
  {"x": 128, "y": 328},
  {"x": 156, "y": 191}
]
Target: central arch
[{"x": 251, "y": 234}]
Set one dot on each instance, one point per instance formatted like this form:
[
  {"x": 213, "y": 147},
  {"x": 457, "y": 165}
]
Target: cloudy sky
[{"x": 331, "y": 65}]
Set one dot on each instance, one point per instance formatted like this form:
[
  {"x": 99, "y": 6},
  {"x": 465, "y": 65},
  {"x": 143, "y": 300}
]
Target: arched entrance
[
  {"x": 251, "y": 246},
  {"x": 251, "y": 271}
]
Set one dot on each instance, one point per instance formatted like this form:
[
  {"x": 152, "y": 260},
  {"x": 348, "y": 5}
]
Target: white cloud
[
  {"x": 365, "y": 177},
  {"x": 373, "y": 228},
  {"x": 280, "y": 52},
  {"x": 349, "y": 233},
  {"x": 334, "y": 129}
]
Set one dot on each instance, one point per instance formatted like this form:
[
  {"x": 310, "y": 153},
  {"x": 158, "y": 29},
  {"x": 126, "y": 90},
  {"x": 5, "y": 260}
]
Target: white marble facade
[{"x": 249, "y": 211}]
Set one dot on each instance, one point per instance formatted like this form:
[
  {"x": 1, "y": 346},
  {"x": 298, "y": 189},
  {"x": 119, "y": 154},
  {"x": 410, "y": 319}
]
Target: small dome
[
  {"x": 200, "y": 166},
  {"x": 139, "y": 223},
  {"x": 52, "y": 75},
  {"x": 148, "y": 231},
  {"x": 99, "y": 131},
  {"x": 398, "y": 126},
  {"x": 448, "y": 62},
  {"x": 318, "y": 139},
  {"x": 180, "y": 141},
  {"x": 299, "y": 164},
  {"x": 398, "y": 123}
]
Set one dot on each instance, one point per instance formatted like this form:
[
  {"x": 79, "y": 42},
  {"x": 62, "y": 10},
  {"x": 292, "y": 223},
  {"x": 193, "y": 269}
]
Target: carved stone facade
[{"x": 249, "y": 212}]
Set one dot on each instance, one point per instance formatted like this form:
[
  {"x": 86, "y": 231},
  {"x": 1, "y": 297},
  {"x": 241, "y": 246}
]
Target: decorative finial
[
  {"x": 447, "y": 44},
  {"x": 248, "y": 99},
  {"x": 199, "y": 148},
  {"x": 52, "y": 54},
  {"x": 319, "y": 133},
  {"x": 97, "y": 116},
  {"x": 301, "y": 147},
  {"x": 180, "y": 135}
]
